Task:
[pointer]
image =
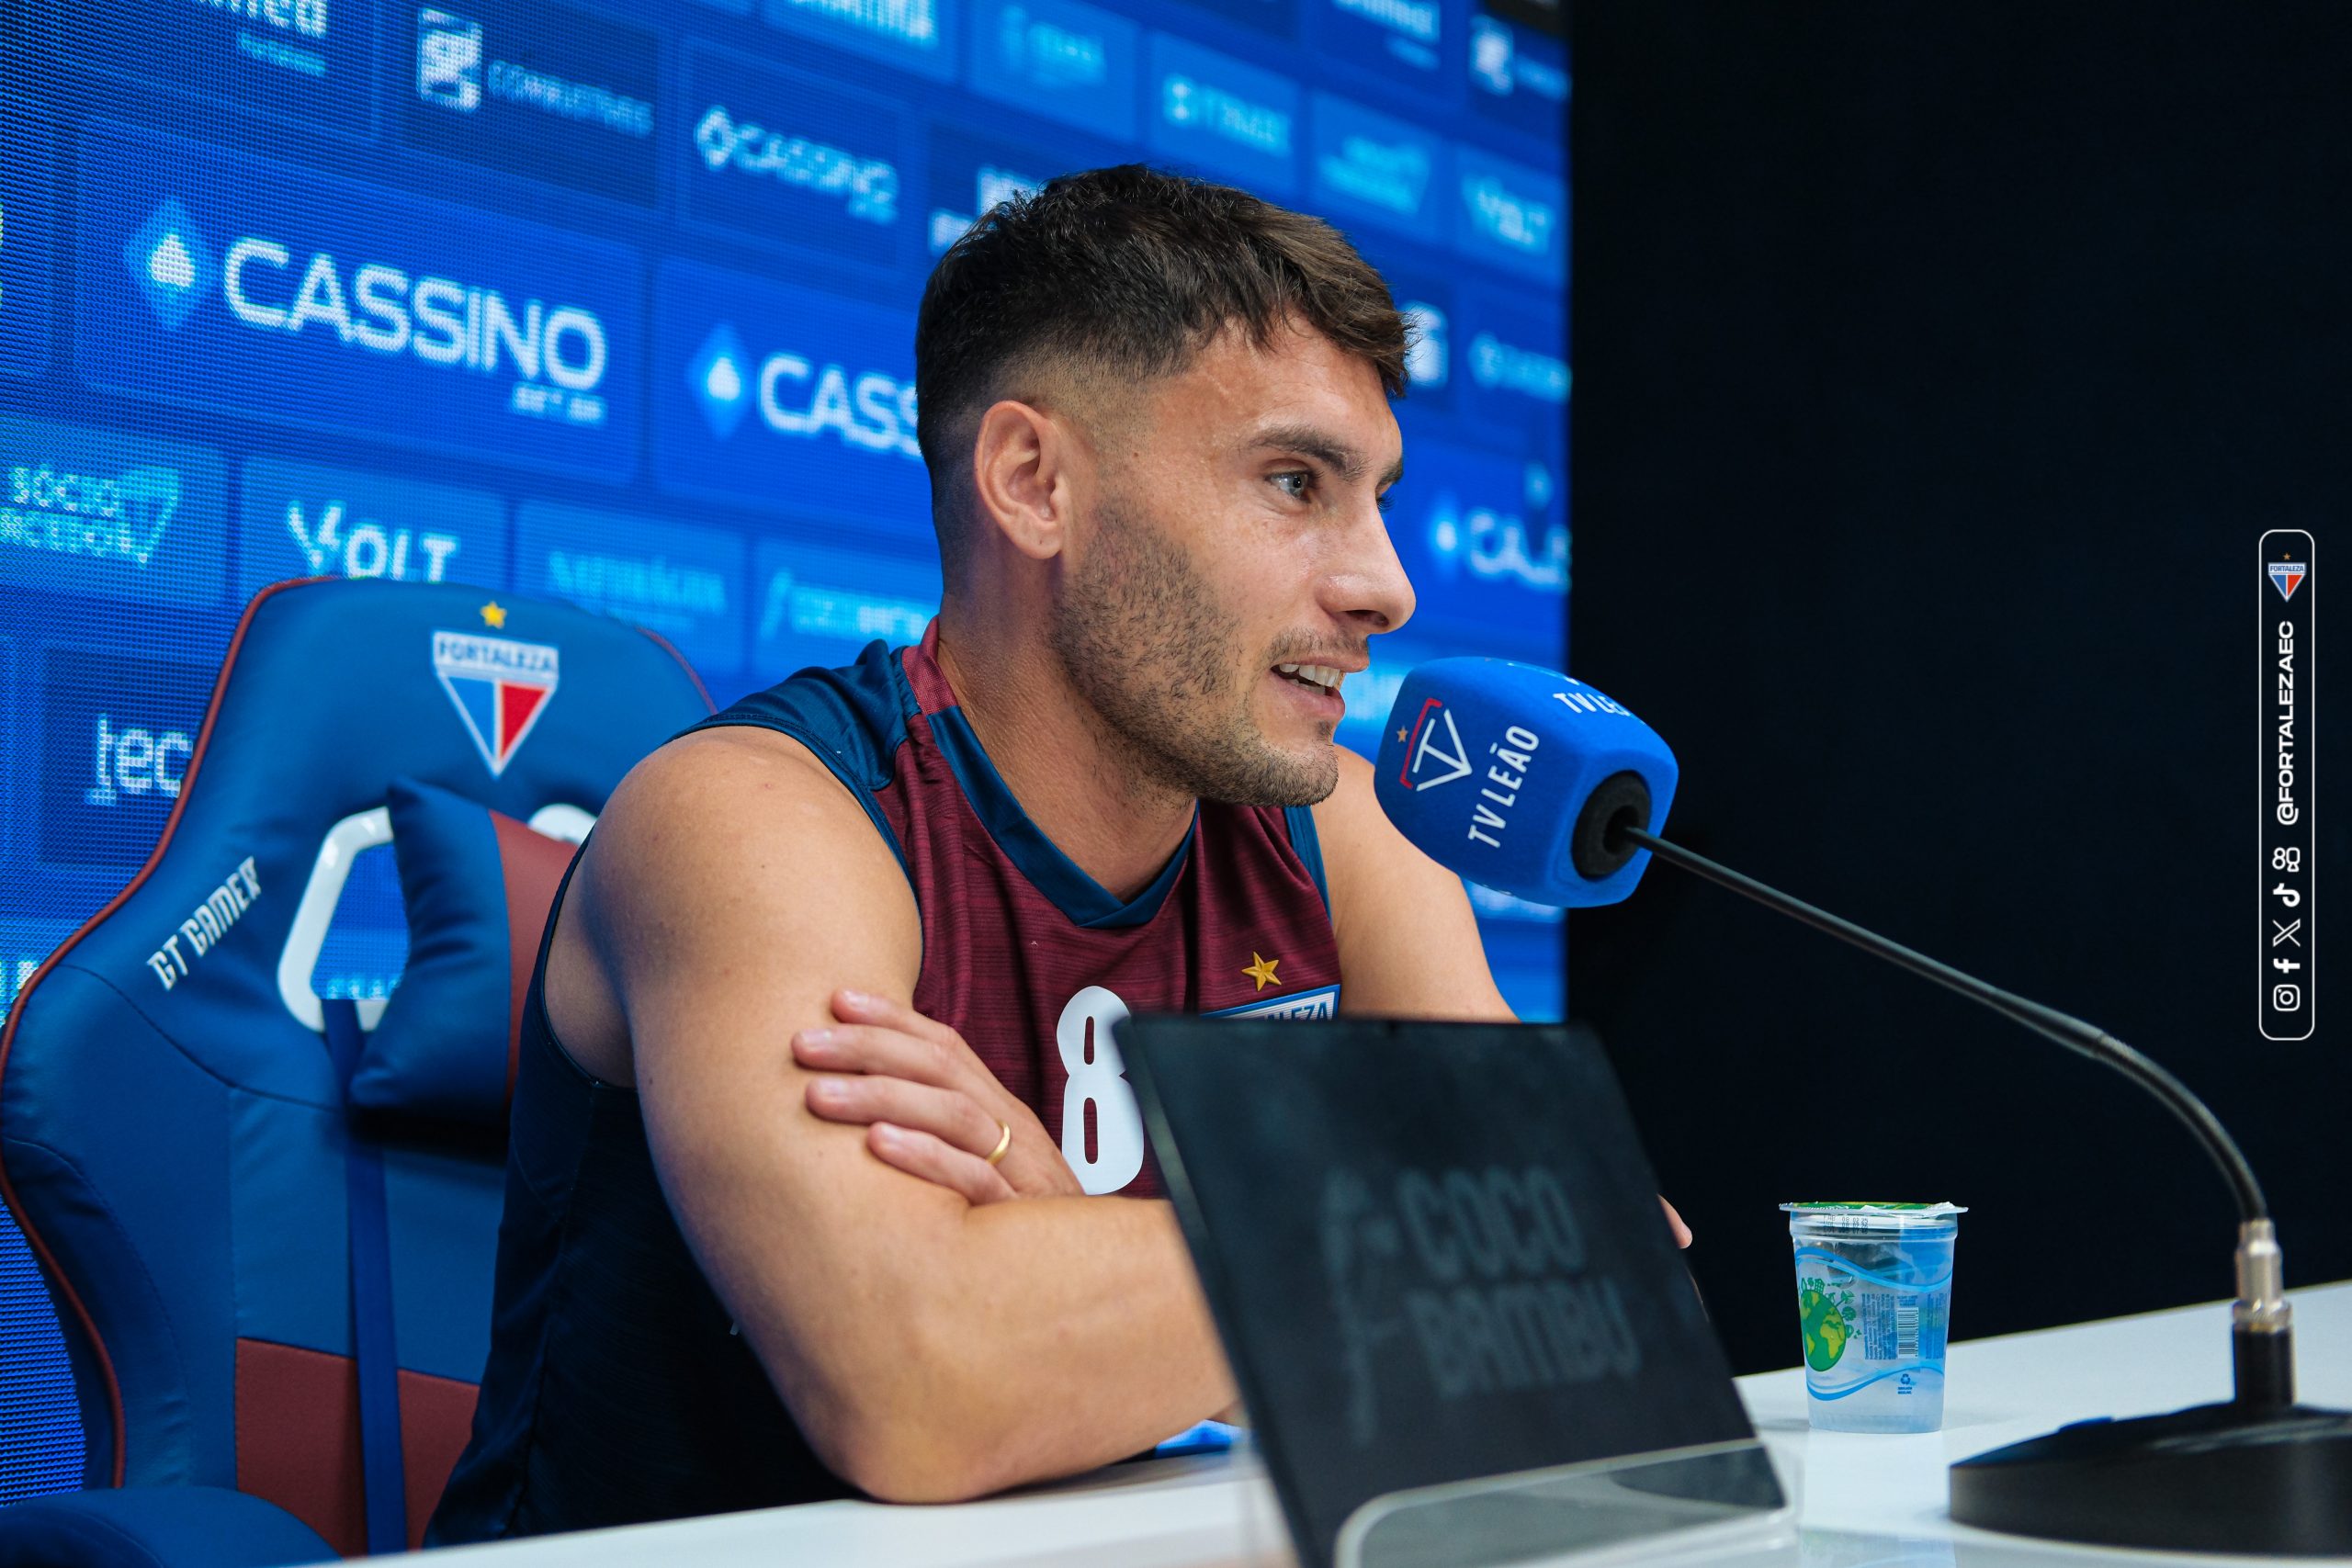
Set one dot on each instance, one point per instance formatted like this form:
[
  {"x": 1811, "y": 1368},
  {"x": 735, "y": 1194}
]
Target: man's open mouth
[{"x": 1315, "y": 677}]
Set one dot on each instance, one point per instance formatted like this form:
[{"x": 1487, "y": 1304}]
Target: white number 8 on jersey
[{"x": 1097, "y": 1081}]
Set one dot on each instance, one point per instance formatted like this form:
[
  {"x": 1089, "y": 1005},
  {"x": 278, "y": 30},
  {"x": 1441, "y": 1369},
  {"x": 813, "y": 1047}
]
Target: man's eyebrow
[{"x": 1325, "y": 449}]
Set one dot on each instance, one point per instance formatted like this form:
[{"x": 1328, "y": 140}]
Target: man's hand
[
  {"x": 1674, "y": 1222},
  {"x": 929, "y": 1104}
]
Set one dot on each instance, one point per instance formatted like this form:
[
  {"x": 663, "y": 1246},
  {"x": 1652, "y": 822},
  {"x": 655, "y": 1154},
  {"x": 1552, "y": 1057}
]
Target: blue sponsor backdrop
[{"x": 615, "y": 302}]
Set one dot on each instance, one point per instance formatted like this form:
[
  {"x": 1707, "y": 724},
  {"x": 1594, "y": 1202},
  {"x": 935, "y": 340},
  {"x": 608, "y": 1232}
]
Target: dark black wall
[{"x": 1937, "y": 368}]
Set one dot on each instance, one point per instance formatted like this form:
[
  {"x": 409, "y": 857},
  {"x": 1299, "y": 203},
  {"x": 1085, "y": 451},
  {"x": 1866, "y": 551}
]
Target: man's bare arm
[
  {"x": 1408, "y": 943},
  {"x": 929, "y": 1350}
]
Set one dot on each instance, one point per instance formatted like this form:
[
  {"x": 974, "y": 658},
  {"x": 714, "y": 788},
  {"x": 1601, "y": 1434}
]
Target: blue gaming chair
[{"x": 173, "y": 1134}]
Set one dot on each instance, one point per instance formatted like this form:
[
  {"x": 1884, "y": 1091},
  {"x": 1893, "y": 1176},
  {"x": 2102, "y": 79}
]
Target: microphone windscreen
[{"x": 1486, "y": 765}]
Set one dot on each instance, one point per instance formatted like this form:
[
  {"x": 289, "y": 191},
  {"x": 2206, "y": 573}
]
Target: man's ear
[{"x": 1021, "y": 476}]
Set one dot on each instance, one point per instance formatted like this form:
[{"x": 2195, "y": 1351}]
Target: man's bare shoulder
[
  {"x": 724, "y": 854},
  {"x": 738, "y": 815}
]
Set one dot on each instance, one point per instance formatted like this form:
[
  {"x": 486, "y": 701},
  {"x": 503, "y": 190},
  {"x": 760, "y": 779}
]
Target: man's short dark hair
[{"x": 1117, "y": 276}]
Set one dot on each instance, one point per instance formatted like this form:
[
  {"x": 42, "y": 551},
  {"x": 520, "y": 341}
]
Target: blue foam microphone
[
  {"x": 1533, "y": 783},
  {"x": 1518, "y": 778}
]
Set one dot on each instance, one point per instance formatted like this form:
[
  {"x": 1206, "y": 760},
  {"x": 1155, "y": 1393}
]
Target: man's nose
[{"x": 1371, "y": 588}]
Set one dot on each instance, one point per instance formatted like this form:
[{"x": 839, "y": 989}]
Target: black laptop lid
[{"x": 1435, "y": 1253}]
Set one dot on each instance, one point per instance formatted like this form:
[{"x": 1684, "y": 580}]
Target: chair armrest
[{"x": 155, "y": 1527}]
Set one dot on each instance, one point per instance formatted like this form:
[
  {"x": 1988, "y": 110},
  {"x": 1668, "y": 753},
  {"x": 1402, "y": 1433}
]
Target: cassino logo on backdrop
[
  {"x": 786, "y": 397},
  {"x": 321, "y": 302},
  {"x": 867, "y": 188},
  {"x": 871, "y": 411},
  {"x": 554, "y": 356},
  {"x": 787, "y": 159}
]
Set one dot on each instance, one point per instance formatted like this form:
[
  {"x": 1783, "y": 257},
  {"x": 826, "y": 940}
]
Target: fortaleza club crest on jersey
[
  {"x": 500, "y": 687},
  {"x": 2287, "y": 576}
]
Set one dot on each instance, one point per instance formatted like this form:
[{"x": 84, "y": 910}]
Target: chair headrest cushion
[{"x": 477, "y": 885}]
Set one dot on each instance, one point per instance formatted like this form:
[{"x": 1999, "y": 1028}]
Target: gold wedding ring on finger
[{"x": 1004, "y": 1142}]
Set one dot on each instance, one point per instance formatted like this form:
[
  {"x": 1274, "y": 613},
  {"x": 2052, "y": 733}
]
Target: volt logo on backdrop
[
  {"x": 308, "y": 520},
  {"x": 783, "y": 158},
  {"x": 1511, "y": 215},
  {"x": 227, "y": 282},
  {"x": 535, "y": 90},
  {"x": 786, "y": 397}
]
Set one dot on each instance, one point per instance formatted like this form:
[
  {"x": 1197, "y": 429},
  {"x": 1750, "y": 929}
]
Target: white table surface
[{"x": 1861, "y": 1501}]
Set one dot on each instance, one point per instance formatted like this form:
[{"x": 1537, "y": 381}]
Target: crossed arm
[{"x": 931, "y": 1341}]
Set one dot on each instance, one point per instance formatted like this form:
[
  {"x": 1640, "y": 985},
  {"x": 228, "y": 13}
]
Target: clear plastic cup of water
[{"x": 1874, "y": 1311}]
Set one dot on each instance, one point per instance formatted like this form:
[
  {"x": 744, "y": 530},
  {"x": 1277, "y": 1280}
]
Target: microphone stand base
[{"x": 2211, "y": 1478}]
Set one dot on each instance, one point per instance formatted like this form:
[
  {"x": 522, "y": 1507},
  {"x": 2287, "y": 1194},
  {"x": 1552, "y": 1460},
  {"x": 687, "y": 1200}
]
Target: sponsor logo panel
[
  {"x": 1416, "y": 43},
  {"x": 783, "y": 397},
  {"x": 27, "y": 230},
  {"x": 1368, "y": 165},
  {"x": 117, "y": 733},
  {"x": 308, "y": 520},
  {"x": 532, "y": 89},
  {"x": 228, "y": 282},
  {"x": 820, "y": 606},
  {"x": 1432, "y": 355},
  {"x": 1518, "y": 76},
  {"x": 970, "y": 173},
  {"x": 684, "y": 581},
  {"x": 1235, "y": 120},
  {"x": 88, "y": 510},
  {"x": 784, "y": 158},
  {"x": 1513, "y": 360},
  {"x": 920, "y": 36},
  {"x": 1278, "y": 16},
  {"x": 309, "y": 61},
  {"x": 1060, "y": 59},
  {"x": 25, "y": 945},
  {"x": 1511, "y": 215},
  {"x": 1486, "y": 550}
]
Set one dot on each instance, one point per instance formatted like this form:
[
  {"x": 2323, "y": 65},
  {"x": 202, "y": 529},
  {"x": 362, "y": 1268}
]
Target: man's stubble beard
[{"x": 1146, "y": 643}]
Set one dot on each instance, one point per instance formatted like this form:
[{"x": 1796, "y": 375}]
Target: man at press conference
[{"x": 833, "y": 980}]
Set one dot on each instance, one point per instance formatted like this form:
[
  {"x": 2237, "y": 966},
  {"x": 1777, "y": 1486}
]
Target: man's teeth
[{"x": 1322, "y": 675}]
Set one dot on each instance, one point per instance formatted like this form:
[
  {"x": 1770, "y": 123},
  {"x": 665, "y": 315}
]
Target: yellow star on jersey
[
  {"x": 493, "y": 615},
  {"x": 1401, "y": 735},
  {"x": 1263, "y": 971}
]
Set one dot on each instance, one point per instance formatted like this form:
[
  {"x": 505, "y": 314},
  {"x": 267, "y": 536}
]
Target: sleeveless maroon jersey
[{"x": 1026, "y": 955}]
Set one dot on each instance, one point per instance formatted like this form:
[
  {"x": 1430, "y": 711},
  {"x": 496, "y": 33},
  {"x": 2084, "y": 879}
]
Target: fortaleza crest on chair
[{"x": 499, "y": 687}]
